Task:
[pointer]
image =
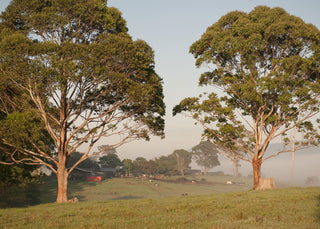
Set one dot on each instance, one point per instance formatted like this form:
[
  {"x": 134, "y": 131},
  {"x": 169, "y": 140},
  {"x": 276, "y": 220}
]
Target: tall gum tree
[
  {"x": 205, "y": 155},
  {"x": 183, "y": 159},
  {"x": 87, "y": 79},
  {"x": 264, "y": 69}
]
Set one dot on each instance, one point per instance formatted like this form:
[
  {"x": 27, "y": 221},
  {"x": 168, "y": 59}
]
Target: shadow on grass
[
  {"x": 17, "y": 196},
  {"x": 75, "y": 188}
]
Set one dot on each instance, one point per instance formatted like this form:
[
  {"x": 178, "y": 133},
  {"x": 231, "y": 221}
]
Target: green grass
[
  {"x": 121, "y": 188},
  {"x": 139, "y": 188},
  {"x": 279, "y": 208},
  {"x": 117, "y": 188}
]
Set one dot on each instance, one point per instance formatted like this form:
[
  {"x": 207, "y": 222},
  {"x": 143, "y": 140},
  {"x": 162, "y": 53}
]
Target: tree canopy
[
  {"x": 183, "y": 160},
  {"x": 167, "y": 165},
  {"x": 206, "y": 155},
  {"x": 110, "y": 161},
  {"x": 87, "y": 164},
  {"x": 142, "y": 166},
  {"x": 85, "y": 77},
  {"x": 264, "y": 68}
]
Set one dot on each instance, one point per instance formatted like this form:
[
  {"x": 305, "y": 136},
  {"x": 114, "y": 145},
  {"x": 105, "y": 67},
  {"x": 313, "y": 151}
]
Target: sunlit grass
[
  {"x": 280, "y": 208},
  {"x": 138, "y": 188}
]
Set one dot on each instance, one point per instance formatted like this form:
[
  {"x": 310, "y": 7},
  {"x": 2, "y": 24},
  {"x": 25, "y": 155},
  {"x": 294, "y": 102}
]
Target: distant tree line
[{"x": 177, "y": 163}]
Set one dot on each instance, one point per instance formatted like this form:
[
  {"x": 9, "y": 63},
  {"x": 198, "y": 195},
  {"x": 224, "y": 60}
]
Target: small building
[
  {"x": 94, "y": 178},
  {"x": 85, "y": 174},
  {"x": 111, "y": 172},
  {"x": 90, "y": 175}
]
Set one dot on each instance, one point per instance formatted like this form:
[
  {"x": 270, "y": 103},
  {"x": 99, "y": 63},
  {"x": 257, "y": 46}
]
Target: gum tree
[
  {"x": 264, "y": 69},
  {"x": 85, "y": 76},
  {"x": 183, "y": 159},
  {"x": 18, "y": 108},
  {"x": 205, "y": 155}
]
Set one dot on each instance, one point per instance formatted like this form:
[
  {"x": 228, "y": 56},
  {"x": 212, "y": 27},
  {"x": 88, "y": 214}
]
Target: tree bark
[
  {"x": 266, "y": 183},
  {"x": 62, "y": 177},
  {"x": 256, "y": 165},
  {"x": 62, "y": 170}
]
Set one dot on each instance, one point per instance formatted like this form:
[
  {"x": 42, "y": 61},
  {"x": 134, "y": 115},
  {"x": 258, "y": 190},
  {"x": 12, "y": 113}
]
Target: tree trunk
[
  {"x": 266, "y": 183},
  {"x": 205, "y": 170},
  {"x": 256, "y": 165},
  {"x": 292, "y": 165},
  {"x": 62, "y": 176},
  {"x": 235, "y": 168},
  {"x": 62, "y": 170},
  {"x": 292, "y": 153},
  {"x": 202, "y": 170}
]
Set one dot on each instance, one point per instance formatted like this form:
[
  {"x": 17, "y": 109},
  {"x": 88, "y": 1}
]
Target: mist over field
[{"x": 306, "y": 164}]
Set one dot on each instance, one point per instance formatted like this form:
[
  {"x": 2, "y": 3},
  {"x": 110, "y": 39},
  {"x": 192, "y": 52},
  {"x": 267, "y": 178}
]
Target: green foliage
[
  {"x": 177, "y": 163},
  {"x": 205, "y": 154},
  {"x": 142, "y": 166},
  {"x": 127, "y": 166},
  {"x": 24, "y": 129},
  {"x": 183, "y": 158},
  {"x": 19, "y": 123},
  {"x": 17, "y": 175},
  {"x": 87, "y": 164},
  {"x": 266, "y": 63},
  {"x": 167, "y": 165},
  {"x": 84, "y": 75},
  {"x": 266, "y": 58},
  {"x": 80, "y": 51},
  {"x": 110, "y": 161},
  {"x": 139, "y": 165}
]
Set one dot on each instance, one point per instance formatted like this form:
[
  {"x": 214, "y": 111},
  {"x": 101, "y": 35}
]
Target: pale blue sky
[{"x": 170, "y": 27}]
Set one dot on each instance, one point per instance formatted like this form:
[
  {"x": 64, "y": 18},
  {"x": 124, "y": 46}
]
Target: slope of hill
[{"x": 279, "y": 208}]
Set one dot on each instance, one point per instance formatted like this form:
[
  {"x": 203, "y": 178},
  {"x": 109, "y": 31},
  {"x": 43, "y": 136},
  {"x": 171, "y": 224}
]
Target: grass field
[
  {"x": 139, "y": 203},
  {"x": 139, "y": 188},
  {"x": 279, "y": 208},
  {"x": 120, "y": 188}
]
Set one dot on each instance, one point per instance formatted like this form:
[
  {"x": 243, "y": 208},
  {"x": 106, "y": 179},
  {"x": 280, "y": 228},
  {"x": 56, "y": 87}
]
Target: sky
[{"x": 170, "y": 27}]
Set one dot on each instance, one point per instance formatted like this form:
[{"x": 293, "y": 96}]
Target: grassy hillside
[
  {"x": 280, "y": 208},
  {"x": 123, "y": 188},
  {"x": 119, "y": 188},
  {"x": 139, "y": 188}
]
